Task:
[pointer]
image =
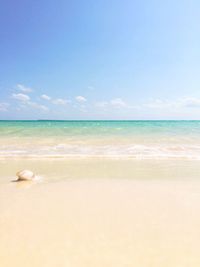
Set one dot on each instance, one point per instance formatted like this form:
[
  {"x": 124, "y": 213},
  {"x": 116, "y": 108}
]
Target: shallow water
[{"x": 113, "y": 139}]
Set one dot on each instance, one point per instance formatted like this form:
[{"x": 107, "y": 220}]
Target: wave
[{"x": 135, "y": 151}]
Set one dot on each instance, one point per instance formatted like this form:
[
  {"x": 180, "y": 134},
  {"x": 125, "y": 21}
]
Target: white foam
[{"x": 138, "y": 151}]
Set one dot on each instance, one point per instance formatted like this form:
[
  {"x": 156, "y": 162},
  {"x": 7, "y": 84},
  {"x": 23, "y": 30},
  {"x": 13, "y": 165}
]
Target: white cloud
[
  {"x": 4, "y": 106},
  {"x": 158, "y": 103},
  {"x": 45, "y": 97},
  {"x": 25, "y": 102},
  {"x": 178, "y": 104},
  {"x": 115, "y": 102},
  {"x": 32, "y": 105},
  {"x": 118, "y": 102},
  {"x": 24, "y": 89},
  {"x": 21, "y": 97},
  {"x": 57, "y": 101},
  {"x": 81, "y": 98},
  {"x": 190, "y": 102},
  {"x": 37, "y": 106},
  {"x": 60, "y": 101},
  {"x": 184, "y": 102}
]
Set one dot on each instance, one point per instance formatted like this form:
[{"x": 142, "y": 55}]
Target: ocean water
[{"x": 113, "y": 139}]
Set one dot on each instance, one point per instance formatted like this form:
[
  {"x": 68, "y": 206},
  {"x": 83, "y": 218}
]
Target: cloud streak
[
  {"x": 21, "y": 97},
  {"x": 60, "y": 101},
  {"x": 118, "y": 102},
  {"x": 24, "y": 88},
  {"x": 113, "y": 103},
  {"x": 46, "y": 97},
  {"x": 25, "y": 101},
  {"x": 57, "y": 101},
  {"x": 80, "y": 99},
  {"x": 114, "y": 106},
  {"x": 35, "y": 105},
  {"x": 184, "y": 102}
]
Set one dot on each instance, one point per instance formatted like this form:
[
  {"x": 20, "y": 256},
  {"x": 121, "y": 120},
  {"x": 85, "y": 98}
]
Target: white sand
[{"x": 100, "y": 223}]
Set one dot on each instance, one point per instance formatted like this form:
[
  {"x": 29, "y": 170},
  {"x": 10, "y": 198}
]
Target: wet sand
[
  {"x": 101, "y": 168},
  {"x": 99, "y": 222}
]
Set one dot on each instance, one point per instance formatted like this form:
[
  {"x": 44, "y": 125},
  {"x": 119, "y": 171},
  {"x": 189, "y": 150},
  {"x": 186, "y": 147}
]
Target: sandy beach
[
  {"x": 99, "y": 133},
  {"x": 109, "y": 194},
  {"x": 89, "y": 221}
]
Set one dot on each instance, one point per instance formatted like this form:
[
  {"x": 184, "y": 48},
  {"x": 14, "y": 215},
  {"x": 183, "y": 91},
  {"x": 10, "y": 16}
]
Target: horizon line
[{"x": 99, "y": 120}]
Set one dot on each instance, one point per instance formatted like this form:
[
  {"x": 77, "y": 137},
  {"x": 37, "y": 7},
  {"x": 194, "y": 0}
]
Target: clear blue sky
[{"x": 102, "y": 59}]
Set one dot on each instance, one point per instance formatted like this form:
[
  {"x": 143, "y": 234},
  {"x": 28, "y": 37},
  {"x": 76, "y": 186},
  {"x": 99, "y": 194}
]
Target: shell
[{"x": 25, "y": 175}]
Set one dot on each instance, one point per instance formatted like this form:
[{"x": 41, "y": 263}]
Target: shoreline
[{"x": 101, "y": 168}]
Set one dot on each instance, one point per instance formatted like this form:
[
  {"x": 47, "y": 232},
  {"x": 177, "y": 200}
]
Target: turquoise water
[
  {"x": 24, "y": 128},
  {"x": 137, "y": 139}
]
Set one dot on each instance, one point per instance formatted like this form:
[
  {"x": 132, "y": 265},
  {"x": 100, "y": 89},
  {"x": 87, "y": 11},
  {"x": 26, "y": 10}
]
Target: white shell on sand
[{"x": 25, "y": 175}]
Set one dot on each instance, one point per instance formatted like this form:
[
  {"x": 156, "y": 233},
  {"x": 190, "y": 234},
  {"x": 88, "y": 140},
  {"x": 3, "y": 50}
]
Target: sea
[{"x": 106, "y": 139}]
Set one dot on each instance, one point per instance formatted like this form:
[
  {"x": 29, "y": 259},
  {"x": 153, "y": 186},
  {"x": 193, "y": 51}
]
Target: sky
[{"x": 102, "y": 59}]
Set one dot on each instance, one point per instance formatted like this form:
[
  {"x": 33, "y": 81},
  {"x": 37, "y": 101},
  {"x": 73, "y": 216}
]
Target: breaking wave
[{"x": 136, "y": 151}]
